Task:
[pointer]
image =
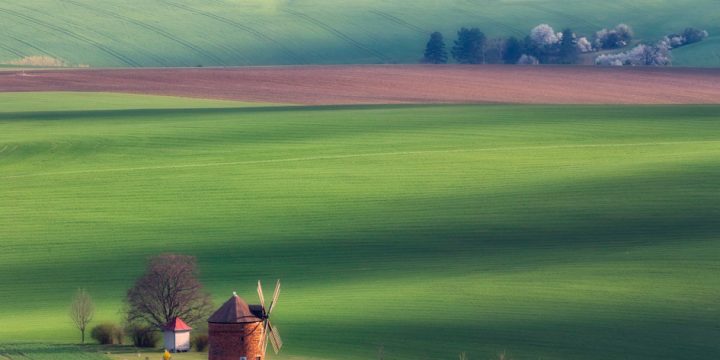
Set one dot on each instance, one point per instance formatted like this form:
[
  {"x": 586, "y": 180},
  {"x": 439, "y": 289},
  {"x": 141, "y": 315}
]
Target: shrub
[
  {"x": 143, "y": 336},
  {"x": 584, "y": 45},
  {"x": 688, "y": 36},
  {"x": 200, "y": 342},
  {"x": 615, "y": 38},
  {"x": 119, "y": 335},
  {"x": 528, "y": 60},
  {"x": 693, "y": 35},
  {"x": 107, "y": 334},
  {"x": 625, "y": 32},
  {"x": 641, "y": 55}
]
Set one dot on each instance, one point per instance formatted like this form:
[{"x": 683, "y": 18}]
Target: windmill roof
[
  {"x": 236, "y": 310},
  {"x": 176, "y": 324}
]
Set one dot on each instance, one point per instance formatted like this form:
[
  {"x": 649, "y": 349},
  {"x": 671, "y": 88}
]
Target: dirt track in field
[{"x": 391, "y": 84}]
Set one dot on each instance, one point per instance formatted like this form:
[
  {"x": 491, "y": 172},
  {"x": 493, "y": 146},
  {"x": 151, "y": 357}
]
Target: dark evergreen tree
[
  {"x": 513, "y": 50},
  {"x": 469, "y": 47},
  {"x": 435, "y": 52},
  {"x": 568, "y": 53}
]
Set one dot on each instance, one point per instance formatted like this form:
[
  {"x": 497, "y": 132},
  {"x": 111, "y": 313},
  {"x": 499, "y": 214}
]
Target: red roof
[
  {"x": 236, "y": 310},
  {"x": 176, "y": 325}
]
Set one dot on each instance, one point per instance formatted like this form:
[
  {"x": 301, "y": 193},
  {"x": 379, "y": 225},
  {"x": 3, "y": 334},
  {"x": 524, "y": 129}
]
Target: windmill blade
[
  {"x": 261, "y": 296},
  {"x": 275, "y": 339},
  {"x": 265, "y": 338},
  {"x": 275, "y": 297}
]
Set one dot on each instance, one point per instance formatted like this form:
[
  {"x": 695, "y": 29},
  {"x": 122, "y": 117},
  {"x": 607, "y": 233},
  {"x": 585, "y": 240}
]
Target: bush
[
  {"x": 693, "y": 35},
  {"x": 119, "y": 335},
  {"x": 528, "y": 60},
  {"x": 107, "y": 334},
  {"x": 200, "y": 342},
  {"x": 584, "y": 45},
  {"x": 641, "y": 55},
  {"x": 142, "y": 336},
  {"x": 615, "y": 38}
]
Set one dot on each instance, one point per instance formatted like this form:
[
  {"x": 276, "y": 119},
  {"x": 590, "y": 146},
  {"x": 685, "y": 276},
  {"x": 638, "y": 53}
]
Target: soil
[{"x": 387, "y": 84}]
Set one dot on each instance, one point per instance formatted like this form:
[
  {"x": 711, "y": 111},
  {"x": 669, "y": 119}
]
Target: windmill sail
[
  {"x": 265, "y": 338},
  {"x": 270, "y": 334},
  {"x": 275, "y": 339},
  {"x": 275, "y": 297},
  {"x": 261, "y": 296}
]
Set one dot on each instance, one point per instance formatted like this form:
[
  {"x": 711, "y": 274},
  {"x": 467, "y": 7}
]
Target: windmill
[
  {"x": 240, "y": 331},
  {"x": 269, "y": 332}
]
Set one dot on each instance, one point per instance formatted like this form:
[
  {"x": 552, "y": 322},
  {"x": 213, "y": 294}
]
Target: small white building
[{"x": 176, "y": 334}]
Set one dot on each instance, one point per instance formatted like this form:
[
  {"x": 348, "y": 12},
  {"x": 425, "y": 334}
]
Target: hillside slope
[
  {"x": 553, "y": 232},
  {"x": 267, "y": 32}
]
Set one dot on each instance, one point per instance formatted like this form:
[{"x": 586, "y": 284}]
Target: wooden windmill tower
[{"x": 238, "y": 331}]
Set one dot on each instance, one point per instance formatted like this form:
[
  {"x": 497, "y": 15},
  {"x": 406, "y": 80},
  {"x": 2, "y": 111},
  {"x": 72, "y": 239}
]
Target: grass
[
  {"x": 705, "y": 53},
  {"x": 37, "y": 351},
  {"x": 272, "y": 32},
  {"x": 69, "y": 101},
  {"x": 553, "y": 232},
  {"x": 40, "y": 351}
]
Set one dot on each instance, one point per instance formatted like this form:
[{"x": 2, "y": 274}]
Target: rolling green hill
[
  {"x": 553, "y": 232},
  {"x": 270, "y": 32}
]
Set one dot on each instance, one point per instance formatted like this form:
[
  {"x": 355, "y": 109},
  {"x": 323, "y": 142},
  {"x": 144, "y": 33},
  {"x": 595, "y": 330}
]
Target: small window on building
[
  {"x": 243, "y": 358},
  {"x": 258, "y": 358}
]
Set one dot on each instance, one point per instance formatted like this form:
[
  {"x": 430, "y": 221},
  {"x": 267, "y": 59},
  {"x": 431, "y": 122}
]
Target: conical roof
[
  {"x": 236, "y": 310},
  {"x": 176, "y": 325}
]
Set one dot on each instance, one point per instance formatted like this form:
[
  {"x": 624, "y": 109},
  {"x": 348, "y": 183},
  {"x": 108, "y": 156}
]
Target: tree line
[
  {"x": 543, "y": 45},
  {"x": 472, "y": 46}
]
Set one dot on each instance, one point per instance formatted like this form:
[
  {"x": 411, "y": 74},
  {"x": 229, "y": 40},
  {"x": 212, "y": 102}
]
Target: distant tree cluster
[
  {"x": 640, "y": 55},
  {"x": 658, "y": 54},
  {"x": 687, "y": 37},
  {"x": 169, "y": 288},
  {"x": 544, "y": 45}
]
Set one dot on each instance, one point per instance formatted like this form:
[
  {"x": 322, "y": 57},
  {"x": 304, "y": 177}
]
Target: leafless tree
[
  {"x": 82, "y": 311},
  {"x": 169, "y": 288}
]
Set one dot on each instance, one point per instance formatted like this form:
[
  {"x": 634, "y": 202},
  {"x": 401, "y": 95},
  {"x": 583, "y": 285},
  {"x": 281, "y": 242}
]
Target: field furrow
[
  {"x": 166, "y": 34},
  {"x": 259, "y": 35},
  {"x": 338, "y": 34},
  {"x": 81, "y": 38}
]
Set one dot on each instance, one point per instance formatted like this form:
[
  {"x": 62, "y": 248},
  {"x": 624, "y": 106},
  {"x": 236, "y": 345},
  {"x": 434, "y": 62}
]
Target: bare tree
[
  {"x": 169, "y": 288},
  {"x": 82, "y": 311}
]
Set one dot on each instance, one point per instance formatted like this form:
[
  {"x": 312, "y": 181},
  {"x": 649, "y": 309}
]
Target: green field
[
  {"x": 551, "y": 232},
  {"x": 265, "y": 32},
  {"x": 38, "y": 351}
]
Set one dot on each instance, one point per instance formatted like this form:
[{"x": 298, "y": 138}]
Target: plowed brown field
[{"x": 391, "y": 84}]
